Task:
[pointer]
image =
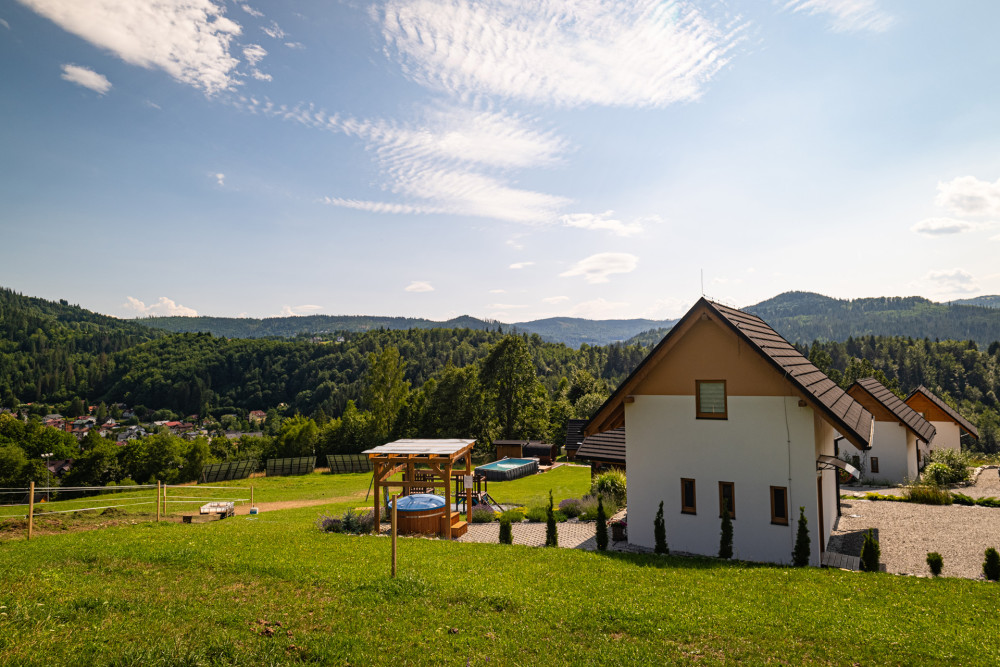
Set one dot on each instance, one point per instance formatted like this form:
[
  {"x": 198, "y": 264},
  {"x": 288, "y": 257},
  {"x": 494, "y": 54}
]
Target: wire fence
[{"x": 35, "y": 501}]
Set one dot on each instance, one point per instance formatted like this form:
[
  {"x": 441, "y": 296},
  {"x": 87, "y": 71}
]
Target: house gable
[
  {"x": 876, "y": 397},
  {"x": 924, "y": 401}
]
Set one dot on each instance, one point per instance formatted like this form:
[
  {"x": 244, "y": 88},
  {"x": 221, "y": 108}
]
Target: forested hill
[
  {"x": 806, "y": 316},
  {"x": 56, "y": 350},
  {"x": 572, "y": 331}
]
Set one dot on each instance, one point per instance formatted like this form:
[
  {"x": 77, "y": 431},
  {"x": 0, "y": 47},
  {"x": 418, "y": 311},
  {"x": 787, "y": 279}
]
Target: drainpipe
[{"x": 836, "y": 452}]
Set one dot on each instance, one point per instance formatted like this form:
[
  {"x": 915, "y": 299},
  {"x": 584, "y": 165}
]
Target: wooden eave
[
  {"x": 962, "y": 422},
  {"x": 907, "y": 416}
]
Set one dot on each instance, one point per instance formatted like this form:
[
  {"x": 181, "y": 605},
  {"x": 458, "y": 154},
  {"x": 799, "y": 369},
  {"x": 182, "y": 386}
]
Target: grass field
[{"x": 273, "y": 589}]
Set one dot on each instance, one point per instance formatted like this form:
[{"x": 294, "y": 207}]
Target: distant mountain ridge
[{"x": 573, "y": 331}]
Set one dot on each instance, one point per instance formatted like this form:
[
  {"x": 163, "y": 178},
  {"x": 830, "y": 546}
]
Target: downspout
[{"x": 836, "y": 452}]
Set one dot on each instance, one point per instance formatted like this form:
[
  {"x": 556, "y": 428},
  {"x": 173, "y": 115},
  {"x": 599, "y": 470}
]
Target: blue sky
[{"x": 512, "y": 159}]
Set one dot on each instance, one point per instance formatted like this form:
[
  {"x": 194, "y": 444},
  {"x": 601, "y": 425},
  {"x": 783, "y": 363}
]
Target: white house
[
  {"x": 725, "y": 410},
  {"x": 899, "y": 433},
  {"x": 949, "y": 424}
]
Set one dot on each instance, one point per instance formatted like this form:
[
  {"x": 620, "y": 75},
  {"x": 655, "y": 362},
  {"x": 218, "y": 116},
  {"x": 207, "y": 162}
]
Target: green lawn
[
  {"x": 565, "y": 482},
  {"x": 272, "y": 589}
]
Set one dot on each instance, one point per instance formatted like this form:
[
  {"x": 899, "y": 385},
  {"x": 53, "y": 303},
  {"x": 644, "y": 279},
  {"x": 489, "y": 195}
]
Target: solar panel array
[
  {"x": 341, "y": 463},
  {"x": 302, "y": 465},
  {"x": 228, "y": 470}
]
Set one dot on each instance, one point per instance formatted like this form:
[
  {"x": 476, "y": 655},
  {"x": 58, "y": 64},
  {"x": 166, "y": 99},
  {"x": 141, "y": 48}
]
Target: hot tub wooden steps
[{"x": 458, "y": 527}]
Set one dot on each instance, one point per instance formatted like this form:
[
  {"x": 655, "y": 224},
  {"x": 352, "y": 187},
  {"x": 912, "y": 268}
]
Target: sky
[{"x": 506, "y": 159}]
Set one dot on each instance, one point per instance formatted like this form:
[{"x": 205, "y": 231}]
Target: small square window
[
  {"x": 874, "y": 464},
  {"x": 688, "y": 505},
  {"x": 710, "y": 396},
  {"x": 779, "y": 505},
  {"x": 727, "y": 498}
]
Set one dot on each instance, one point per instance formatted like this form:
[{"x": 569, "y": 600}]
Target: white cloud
[
  {"x": 88, "y": 78},
  {"x": 641, "y": 54},
  {"x": 295, "y": 45},
  {"x": 260, "y": 76},
  {"x": 419, "y": 286},
  {"x": 5, "y": 24},
  {"x": 163, "y": 308},
  {"x": 507, "y": 306},
  {"x": 251, "y": 11},
  {"x": 555, "y": 299},
  {"x": 599, "y": 309},
  {"x": 520, "y": 265},
  {"x": 220, "y": 179},
  {"x": 452, "y": 162},
  {"x": 296, "y": 311},
  {"x": 598, "y": 268},
  {"x": 188, "y": 39},
  {"x": 968, "y": 196},
  {"x": 953, "y": 281},
  {"x": 604, "y": 221},
  {"x": 254, "y": 53},
  {"x": 498, "y": 291},
  {"x": 273, "y": 31},
  {"x": 942, "y": 226},
  {"x": 847, "y": 15}
]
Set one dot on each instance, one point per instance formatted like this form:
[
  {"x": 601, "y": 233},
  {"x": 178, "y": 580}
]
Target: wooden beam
[
  {"x": 378, "y": 484},
  {"x": 447, "y": 500}
]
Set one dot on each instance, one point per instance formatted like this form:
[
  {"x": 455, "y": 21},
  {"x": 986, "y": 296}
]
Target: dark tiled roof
[
  {"x": 959, "y": 419},
  {"x": 844, "y": 411},
  {"x": 574, "y": 434},
  {"x": 903, "y": 412},
  {"x": 845, "y": 414},
  {"x": 607, "y": 447}
]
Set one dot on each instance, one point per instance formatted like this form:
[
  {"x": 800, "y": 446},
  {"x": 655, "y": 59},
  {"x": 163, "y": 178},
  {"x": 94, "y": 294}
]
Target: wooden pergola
[{"x": 437, "y": 456}]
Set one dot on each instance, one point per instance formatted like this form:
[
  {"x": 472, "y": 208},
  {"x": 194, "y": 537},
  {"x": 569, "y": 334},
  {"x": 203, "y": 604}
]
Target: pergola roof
[{"x": 449, "y": 449}]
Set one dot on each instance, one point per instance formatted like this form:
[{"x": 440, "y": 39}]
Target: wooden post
[
  {"x": 468, "y": 487},
  {"x": 395, "y": 497},
  {"x": 164, "y": 500},
  {"x": 447, "y": 500},
  {"x": 157, "y": 500},
  {"x": 251, "y": 495},
  {"x": 31, "y": 509},
  {"x": 378, "y": 516}
]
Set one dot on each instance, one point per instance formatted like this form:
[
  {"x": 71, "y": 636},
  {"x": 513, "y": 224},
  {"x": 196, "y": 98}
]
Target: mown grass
[
  {"x": 273, "y": 589},
  {"x": 532, "y": 491}
]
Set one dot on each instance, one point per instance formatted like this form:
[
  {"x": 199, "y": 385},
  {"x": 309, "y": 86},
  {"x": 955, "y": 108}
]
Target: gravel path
[{"x": 907, "y": 532}]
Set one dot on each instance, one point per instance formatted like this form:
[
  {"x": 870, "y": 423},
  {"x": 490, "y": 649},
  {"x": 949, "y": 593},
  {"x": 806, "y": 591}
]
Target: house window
[
  {"x": 874, "y": 464},
  {"x": 779, "y": 505},
  {"x": 710, "y": 396},
  {"x": 727, "y": 498},
  {"x": 687, "y": 496}
]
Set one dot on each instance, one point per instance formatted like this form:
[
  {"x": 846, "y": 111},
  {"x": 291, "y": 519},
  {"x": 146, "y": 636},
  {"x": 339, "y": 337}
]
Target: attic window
[{"x": 710, "y": 396}]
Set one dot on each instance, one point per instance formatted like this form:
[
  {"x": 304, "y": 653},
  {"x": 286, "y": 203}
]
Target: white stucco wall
[
  {"x": 895, "y": 448},
  {"x": 949, "y": 436},
  {"x": 825, "y": 435},
  {"x": 665, "y": 442}
]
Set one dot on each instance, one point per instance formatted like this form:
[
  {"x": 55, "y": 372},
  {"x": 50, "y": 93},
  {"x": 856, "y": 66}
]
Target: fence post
[
  {"x": 164, "y": 500},
  {"x": 394, "y": 499},
  {"x": 251, "y": 495},
  {"x": 157, "y": 500},
  {"x": 31, "y": 509}
]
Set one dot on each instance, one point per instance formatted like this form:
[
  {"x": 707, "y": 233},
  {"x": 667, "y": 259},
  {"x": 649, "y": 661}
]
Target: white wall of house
[
  {"x": 825, "y": 435},
  {"x": 766, "y": 441},
  {"x": 949, "y": 436},
  {"x": 895, "y": 447}
]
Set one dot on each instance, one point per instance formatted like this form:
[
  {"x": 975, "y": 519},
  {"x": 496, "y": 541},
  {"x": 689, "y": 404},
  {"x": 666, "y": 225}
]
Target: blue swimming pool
[{"x": 505, "y": 470}]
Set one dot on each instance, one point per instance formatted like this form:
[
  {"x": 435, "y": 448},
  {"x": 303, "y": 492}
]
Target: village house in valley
[
  {"x": 725, "y": 411},
  {"x": 900, "y": 432},
  {"x": 949, "y": 424}
]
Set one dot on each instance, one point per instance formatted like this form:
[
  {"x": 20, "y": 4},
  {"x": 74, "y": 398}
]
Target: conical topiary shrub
[
  {"x": 506, "y": 532},
  {"x": 935, "y": 563},
  {"x": 870, "y": 552},
  {"x": 801, "y": 553},
  {"x": 551, "y": 533},
  {"x": 660, "y": 532},
  {"x": 726, "y": 539},
  {"x": 602, "y": 525},
  {"x": 991, "y": 566}
]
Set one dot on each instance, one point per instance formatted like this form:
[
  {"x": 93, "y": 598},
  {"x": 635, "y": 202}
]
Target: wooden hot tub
[{"x": 420, "y": 513}]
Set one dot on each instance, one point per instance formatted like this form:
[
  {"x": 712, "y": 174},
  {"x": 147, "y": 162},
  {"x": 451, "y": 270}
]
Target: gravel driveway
[{"x": 907, "y": 532}]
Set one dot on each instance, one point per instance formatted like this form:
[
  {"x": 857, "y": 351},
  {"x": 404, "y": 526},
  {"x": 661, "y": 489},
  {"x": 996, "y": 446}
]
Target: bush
[
  {"x": 927, "y": 494},
  {"x": 506, "y": 532},
  {"x": 551, "y": 531},
  {"x": 726, "y": 539},
  {"x": 988, "y": 502},
  {"x": 991, "y": 566},
  {"x": 513, "y": 516},
  {"x": 935, "y": 563},
  {"x": 610, "y": 484},
  {"x": 536, "y": 514},
  {"x": 962, "y": 499},
  {"x": 329, "y": 524},
  {"x": 481, "y": 514},
  {"x": 570, "y": 507},
  {"x": 957, "y": 464},
  {"x": 937, "y": 474},
  {"x": 870, "y": 552},
  {"x": 357, "y": 522},
  {"x": 660, "y": 532},
  {"x": 588, "y": 507},
  {"x": 800, "y": 556},
  {"x": 602, "y": 525}
]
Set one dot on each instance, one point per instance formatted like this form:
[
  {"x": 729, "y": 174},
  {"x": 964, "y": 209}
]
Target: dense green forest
[{"x": 573, "y": 331}]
